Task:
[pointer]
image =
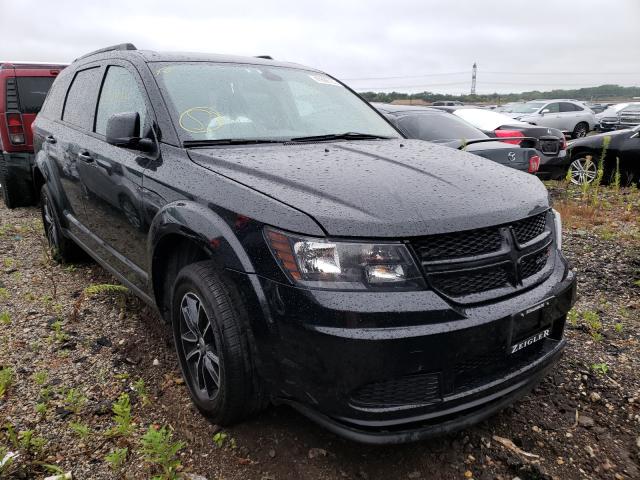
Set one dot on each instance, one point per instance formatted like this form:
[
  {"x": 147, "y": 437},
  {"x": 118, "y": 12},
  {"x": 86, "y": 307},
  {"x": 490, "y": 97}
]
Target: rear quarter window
[
  {"x": 52, "y": 107},
  {"x": 80, "y": 104}
]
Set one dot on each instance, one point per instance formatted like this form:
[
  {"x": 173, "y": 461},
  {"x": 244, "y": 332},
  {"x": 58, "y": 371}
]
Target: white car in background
[{"x": 572, "y": 117}]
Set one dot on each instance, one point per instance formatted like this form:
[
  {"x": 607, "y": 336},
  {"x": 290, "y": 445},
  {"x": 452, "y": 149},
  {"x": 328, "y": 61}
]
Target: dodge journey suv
[{"x": 302, "y": 250}]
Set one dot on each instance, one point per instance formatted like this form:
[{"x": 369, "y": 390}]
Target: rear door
[
  {"x": 551, "y": 117},
  {"x": 67, "y": 140},
  {"x": 112, "y": 176}
]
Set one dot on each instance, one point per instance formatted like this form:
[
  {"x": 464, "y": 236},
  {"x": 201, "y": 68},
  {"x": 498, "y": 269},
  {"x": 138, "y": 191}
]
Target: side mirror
[{"x": 123, "y": 130}]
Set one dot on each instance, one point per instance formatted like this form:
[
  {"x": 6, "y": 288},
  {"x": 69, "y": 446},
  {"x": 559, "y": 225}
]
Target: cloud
[{"x": 423, "y": 44}]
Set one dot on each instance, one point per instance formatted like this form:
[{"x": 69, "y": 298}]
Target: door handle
[
  {"x": 85, "y": 157},
  {"x": 50, "y": 139}
]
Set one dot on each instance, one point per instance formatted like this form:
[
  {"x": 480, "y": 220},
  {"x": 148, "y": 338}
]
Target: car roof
[
  {"x": 391, "y": 108},
  {"x": 130, "y": 52},
  {"x": 30, "y": 65}
]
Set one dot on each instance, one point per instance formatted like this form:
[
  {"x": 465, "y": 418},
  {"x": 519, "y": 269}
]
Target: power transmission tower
[{"x": 473, "y": 78}]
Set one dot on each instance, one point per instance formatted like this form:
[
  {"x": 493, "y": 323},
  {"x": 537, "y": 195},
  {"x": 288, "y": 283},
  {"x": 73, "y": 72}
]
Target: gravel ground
[{"x": 73, "y": 354}]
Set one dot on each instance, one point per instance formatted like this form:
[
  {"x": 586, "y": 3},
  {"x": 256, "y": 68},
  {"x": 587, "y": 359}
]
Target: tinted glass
[
  {"x": 437, "y": 127},
  {"x": 120, "y": 93},
  {"x": 568, "y": 107},
  {"x": 552, "y": 108},
  {"x": 211, "y": 101},
  {"x": 32, "y": 91},
  {"x": 80, "y": 103}
]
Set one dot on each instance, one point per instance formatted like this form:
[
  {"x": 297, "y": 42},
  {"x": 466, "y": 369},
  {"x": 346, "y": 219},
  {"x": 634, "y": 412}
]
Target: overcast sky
[{"x": 378, "y": 45}]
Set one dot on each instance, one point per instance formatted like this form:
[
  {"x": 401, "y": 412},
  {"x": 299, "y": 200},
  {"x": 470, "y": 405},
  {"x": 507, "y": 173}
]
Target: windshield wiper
[
  {"x": 340, "y": 136},
  {"x": 228, "y": 141}
]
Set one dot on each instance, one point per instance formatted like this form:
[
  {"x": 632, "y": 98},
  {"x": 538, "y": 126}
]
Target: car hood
[{"x": 383, "y": 188}]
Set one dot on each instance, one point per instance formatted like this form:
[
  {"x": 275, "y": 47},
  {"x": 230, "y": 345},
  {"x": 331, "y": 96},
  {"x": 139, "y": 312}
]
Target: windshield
[
  {"x": 216, "y": 101},
  {"x": 437, "y": 127},
  {"x": 486, "y": 120},
  {"x": 528, "y": 107}
]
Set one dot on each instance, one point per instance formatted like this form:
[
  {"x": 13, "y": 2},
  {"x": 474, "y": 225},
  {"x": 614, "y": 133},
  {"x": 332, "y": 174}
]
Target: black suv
[{"x": 302, "y": 250}]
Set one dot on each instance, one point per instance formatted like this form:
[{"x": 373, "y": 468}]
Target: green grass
[{"x": 6, "y": 379}]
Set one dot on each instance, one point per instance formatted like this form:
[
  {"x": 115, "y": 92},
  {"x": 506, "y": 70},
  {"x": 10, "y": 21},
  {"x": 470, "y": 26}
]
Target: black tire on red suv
[{"x": 14, "y": 193}]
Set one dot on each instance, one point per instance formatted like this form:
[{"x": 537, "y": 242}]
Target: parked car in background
[
  {"x": 598, "y": 107},
  {"x": 570, "y": 116},
  {"x": 446, "y": 103},
  {"x": 629, "y": 116},
  {"x": 622, "y": 154},
  {"x": 23, "y": 88},
  {"x": 551, "y": 142},
  {"x": 304, "y": 252},
  {"x": 608, "y": 120},
  {"x": 438, "y": 126}
]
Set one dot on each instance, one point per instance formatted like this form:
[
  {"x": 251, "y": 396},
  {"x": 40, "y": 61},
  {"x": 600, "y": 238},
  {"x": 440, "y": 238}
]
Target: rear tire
[
  {"x": 583, "y": 170},
  {"x": 14, "y": 193},
  {"x": 209, "y": 328},
  {"x": 63, "y": 249},
  {"x": 580, "y": 130}
]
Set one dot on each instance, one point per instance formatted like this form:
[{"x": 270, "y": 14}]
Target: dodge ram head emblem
[{"x": 512, "y": 156}]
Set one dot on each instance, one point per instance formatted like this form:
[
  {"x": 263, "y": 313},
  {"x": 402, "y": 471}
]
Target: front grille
[
  {"x": 458, "y": 244},
  {"x": 529, "y": 228},
  {"x": 418, "y": 389},
  {"x": 532, "y": 264},
  {"x": 494, "y": 259},
  {"x": 466, "y": 283}
]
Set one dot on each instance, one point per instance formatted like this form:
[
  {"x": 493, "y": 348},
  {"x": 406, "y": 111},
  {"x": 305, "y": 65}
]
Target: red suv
[{"x": 23, "y": 88}]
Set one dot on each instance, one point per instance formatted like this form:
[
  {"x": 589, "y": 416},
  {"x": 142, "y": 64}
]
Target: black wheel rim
[
  {"x": 199, "y": 347},
  {"x": 50, "y": 229}
]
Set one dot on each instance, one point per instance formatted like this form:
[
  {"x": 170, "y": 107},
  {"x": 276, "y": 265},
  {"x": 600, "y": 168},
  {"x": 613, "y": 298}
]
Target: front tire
[
  {"x": 209, "y": 329},
  {"x": 580, "y": 130}
]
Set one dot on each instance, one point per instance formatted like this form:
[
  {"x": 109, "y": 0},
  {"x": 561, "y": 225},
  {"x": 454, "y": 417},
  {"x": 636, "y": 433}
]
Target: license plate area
[{"x": 530, "y": 326}]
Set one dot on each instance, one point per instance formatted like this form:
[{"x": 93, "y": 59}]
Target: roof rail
[
  {"x": 120, "y": 46},
  {"x": 266, "y": 57}
]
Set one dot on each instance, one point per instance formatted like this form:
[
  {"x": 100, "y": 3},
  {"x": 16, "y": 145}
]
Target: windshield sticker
[{"x": 324, "y": 79}]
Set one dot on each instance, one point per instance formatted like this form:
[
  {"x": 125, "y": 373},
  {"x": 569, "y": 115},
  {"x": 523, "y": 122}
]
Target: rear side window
[
  {"x": 31, "y": 92},
  {"x": 569, "y": 107},
  {"x": 80, "y": 103},
  {"x": 552, "y": 108},
  {"x": 120, "y": 93}
]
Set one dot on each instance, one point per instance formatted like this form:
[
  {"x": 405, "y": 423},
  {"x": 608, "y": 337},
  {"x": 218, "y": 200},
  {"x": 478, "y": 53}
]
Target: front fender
[{"x": 202, "y": 225}]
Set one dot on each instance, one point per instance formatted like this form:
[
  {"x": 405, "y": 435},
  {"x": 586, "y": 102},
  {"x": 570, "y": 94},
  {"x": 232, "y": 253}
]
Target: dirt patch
[{"x": 582, "y": 421}]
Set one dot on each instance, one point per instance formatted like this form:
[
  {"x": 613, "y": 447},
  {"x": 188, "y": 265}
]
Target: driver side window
[
  {"x": 552, "y": 108},
  {"x": 119, "y": 94}
]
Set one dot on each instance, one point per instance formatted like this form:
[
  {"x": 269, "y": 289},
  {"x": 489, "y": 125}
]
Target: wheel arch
[{"x": 185, "y": 232}]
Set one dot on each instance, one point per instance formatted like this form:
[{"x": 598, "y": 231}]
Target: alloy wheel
[
  {"x": 583, "y": 170},
  {"x": 580, "y": 131},
  {"x": 199, "y": 347}
]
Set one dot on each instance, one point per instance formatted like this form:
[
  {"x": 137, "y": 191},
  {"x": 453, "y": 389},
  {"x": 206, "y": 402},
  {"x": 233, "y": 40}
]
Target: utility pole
[{"x": 473, "y": 78}]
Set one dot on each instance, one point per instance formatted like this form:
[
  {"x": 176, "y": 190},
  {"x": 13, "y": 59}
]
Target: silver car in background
[{"x": 571, "y": 116}]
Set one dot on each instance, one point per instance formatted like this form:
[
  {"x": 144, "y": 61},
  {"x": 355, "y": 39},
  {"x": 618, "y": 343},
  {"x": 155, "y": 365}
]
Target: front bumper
[{"x": 400, "y": 367}]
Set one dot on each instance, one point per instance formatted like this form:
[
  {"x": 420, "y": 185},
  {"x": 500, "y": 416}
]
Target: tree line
[{"x": 593, "y": 94}]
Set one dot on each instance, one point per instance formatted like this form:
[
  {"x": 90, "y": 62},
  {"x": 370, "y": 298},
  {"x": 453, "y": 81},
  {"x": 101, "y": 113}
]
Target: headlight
[
  {"x": 323, "y": 263},
  {"x": 557, "y": 221}
]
